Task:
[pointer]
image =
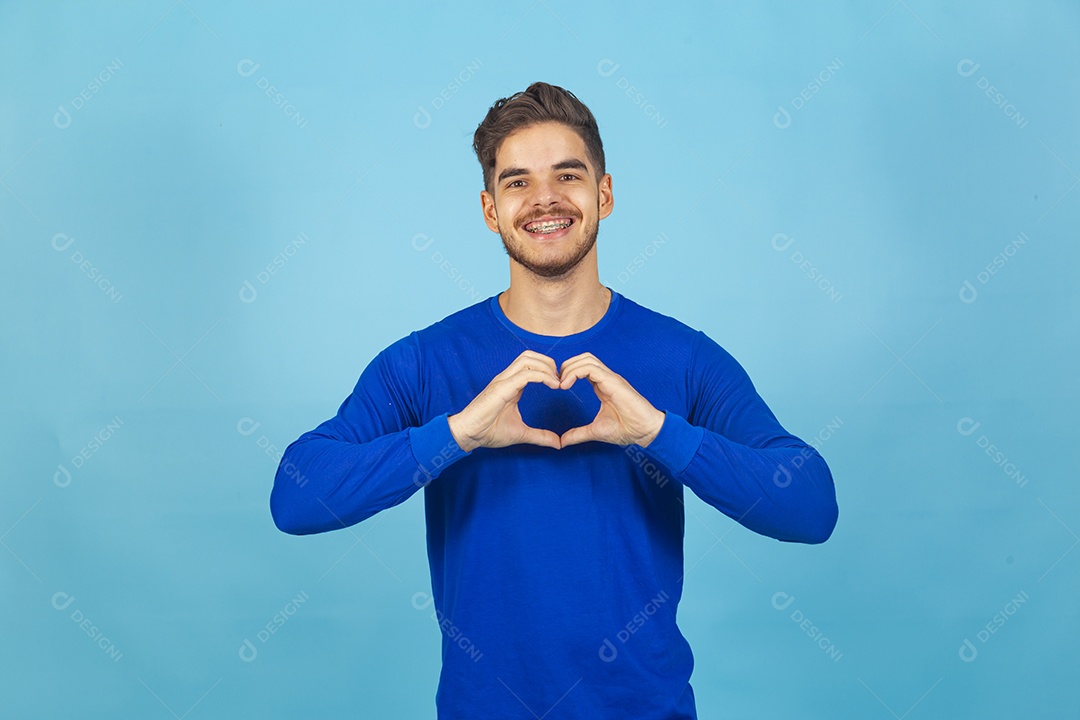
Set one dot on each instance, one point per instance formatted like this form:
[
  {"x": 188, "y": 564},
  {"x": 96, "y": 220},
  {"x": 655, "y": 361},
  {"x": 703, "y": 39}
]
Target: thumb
[
  {"x": 577, "y": 435},
  {"x": 546, "y": 438}
]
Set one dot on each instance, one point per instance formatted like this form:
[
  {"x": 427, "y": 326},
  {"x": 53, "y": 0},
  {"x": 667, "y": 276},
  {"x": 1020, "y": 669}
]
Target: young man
[{"x": 553, "y": 428}]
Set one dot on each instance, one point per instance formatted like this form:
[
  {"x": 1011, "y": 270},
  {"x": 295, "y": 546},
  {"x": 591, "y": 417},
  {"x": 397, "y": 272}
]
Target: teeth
[{"x": 547, "y": 227}]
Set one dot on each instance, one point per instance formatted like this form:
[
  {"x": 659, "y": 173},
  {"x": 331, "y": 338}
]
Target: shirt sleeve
[
  {"x": 734, "y": 454},
  {"x": 374, "y": 454}
]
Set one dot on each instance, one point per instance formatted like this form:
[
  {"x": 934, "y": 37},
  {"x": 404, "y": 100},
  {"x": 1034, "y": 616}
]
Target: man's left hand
[{"x": 625, "y": 417}]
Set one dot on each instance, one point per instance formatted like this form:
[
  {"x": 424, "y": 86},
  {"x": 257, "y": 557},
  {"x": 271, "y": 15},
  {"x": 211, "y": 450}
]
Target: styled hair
[{"x": 538, "y": 103}]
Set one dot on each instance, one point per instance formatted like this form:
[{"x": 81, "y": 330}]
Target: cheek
[
  {"x": 586, "y": 201},
  {"x": 507, "y": 212}
]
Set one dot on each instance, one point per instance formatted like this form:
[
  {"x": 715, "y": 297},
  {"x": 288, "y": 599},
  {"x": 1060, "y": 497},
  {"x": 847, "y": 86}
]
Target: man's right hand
[{"x": 493, "y": 420}]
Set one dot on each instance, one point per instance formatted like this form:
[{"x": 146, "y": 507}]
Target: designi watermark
[
  {"x": 62, "y": 476},
  {"x": 421, "y": 601},
  {"x": 608, "y": 651},
  {"x": 247, "y": 67},
  {"x": 608, "y": 67},
  {"x": 248, "y": 651},
  {"x": 62, "y": 118},
  {"x": 968, "y": 292},
  {"x": 782, "y": 118},
  {"x": 62, "y": 601},
  {"x": 968, "y": 650},
  {"x": 782, "y": 601},
  {"x": 968, "y": 67},
  {"x": 423, "y": 117}
]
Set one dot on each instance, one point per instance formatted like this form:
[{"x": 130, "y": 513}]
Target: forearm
[
  {"x": 785, "y": 493},
  {"x": 325, "y": 483}
]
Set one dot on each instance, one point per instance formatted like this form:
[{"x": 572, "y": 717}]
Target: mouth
[{"x": 548, "y": 228}]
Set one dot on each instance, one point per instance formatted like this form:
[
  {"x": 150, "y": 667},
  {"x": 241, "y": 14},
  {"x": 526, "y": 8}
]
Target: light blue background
[{"x": 179, "y": 180}]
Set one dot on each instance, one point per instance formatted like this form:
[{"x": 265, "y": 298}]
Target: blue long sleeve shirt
[{"x": 556, "y": 574}]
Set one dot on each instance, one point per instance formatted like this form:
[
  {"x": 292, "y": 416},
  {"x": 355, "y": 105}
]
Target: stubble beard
[{"x": 558, "y": 266}]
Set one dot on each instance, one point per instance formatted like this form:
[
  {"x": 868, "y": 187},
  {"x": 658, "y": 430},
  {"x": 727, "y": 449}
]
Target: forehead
[{"x": 539, "y": 146}]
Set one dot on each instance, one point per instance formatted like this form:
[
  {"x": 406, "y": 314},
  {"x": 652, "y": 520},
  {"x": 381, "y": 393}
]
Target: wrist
[
  {"x": 460, "y": 436},
  {"x": 644, "y": 441}
]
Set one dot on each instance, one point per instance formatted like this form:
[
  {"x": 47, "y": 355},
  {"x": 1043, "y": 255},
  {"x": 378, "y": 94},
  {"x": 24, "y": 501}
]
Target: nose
[{"x": 546, "y": 193}]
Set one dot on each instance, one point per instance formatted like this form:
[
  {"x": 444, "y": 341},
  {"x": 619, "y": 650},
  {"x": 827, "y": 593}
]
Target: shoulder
[
  {"x": 451, "y": 328},
  {"x": 675, "y": 333},
  {"x": 437, "y": 336},
  {"x": 655, "y": 321}
]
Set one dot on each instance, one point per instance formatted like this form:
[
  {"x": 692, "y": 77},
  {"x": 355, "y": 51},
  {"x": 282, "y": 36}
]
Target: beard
[{"x": 547, "y": 263}]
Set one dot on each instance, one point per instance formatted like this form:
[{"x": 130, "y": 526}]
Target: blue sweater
[{"x": 556, "y": 574}]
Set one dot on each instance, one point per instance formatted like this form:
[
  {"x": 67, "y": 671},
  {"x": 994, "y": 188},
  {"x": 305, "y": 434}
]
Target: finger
[
  {"x": 575, "y": 436},
  {"x": 525, "y": 359},
  {"x": 571, "y": 363},
  {"x": 578, "y": 357},
  {"x": 524, "y": 376},
  {"x": 545, "y": 438},
  {"x": 585, "y": 368},
  {"x": 508, "y": 391},
  {"x": 582, "y": 359},
  {"x": 530, "y": 358}
]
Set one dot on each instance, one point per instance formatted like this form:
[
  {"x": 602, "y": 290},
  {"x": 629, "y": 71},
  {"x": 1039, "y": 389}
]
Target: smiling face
[{"x": 547, "y": 203}]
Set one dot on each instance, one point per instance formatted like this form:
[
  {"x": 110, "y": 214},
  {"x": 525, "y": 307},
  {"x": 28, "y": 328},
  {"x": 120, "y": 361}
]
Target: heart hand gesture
[
  {"x": 624, "y": 418},
  {"x": 493, "y": 420}
]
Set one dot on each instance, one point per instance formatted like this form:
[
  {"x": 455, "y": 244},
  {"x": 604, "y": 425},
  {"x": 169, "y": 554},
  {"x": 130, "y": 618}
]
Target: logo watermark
[
  {"x": 247, "y": 427},
  {"x": 608, "y": 651},
  {"x": 641, "y": 258},
  {"x": 62, "y": 118},
  {"x": 247, "y": 67},
  {"x": 968, "y": 651},
  {"x": 421, "y": 601},
  {"x": 782, "y": 601},
  {"x": 62, "y": 601},
  {"x": 967, "y": 426},
  {"x": 782, "y": 118},
  {"x": 61, "y": 242},
  {"x": 781, "y": 242},
  {"x": 782, "y": 476},
  {"x": 422, "y": 118},
  {"x": 248, "y": 292},
  {"x": 967, "y": 67},
  {"x": 62, "y": 476},
  {"x": 248, "y": 650},
  {"x": 968, "y": 292},
  {"x": 607, "y": 67},
  {"x": 426, "y": 473},
  {"x": 421, "y": 242},
  {"x": 637, "y": 454}
]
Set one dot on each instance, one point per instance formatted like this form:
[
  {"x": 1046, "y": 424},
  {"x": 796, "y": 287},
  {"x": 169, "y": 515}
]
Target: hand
[
  {"x": 624, "y": 418},
  {"x": 493, "y": 420}
]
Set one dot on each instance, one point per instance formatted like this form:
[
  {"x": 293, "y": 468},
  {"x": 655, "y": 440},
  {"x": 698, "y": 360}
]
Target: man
[{"x": 553, "y": 427}]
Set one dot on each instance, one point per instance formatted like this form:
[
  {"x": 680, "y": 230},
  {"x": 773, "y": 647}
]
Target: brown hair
[{"x": 538, "y": 103}]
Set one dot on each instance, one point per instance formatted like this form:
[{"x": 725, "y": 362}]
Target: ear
[
  {"x": 605, "y": 199},
  {"x": 487, "y": 205}
]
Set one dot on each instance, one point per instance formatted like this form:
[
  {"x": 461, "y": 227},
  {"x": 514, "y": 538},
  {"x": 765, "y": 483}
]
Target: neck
[{"x": 555, "y": 306}]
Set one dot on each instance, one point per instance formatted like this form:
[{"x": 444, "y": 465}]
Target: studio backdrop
[{"x": 214, "y": 215}]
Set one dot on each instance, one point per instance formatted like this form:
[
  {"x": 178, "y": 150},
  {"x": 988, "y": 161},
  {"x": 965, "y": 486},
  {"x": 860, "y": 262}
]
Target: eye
[
  {"x": 512, "y": 183},
  {"x": 571, "y": 176}
]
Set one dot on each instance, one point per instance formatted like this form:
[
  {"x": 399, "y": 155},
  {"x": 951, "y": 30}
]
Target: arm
[
  {"x": 373, "y": 455},
  {"x": 734, "y": 454}
]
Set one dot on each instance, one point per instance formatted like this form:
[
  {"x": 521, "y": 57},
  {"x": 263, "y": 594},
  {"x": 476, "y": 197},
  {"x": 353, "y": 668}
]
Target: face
[{"x": 547, "y": 203}]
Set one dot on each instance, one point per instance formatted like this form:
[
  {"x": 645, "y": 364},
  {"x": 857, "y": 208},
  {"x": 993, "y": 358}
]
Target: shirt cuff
[
  {"x": 676, "y": 444},
  {"x": 434, "y": 446}
]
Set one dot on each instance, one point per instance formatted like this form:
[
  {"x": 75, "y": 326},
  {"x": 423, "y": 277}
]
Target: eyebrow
[{"x": 572, "y": 164}]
